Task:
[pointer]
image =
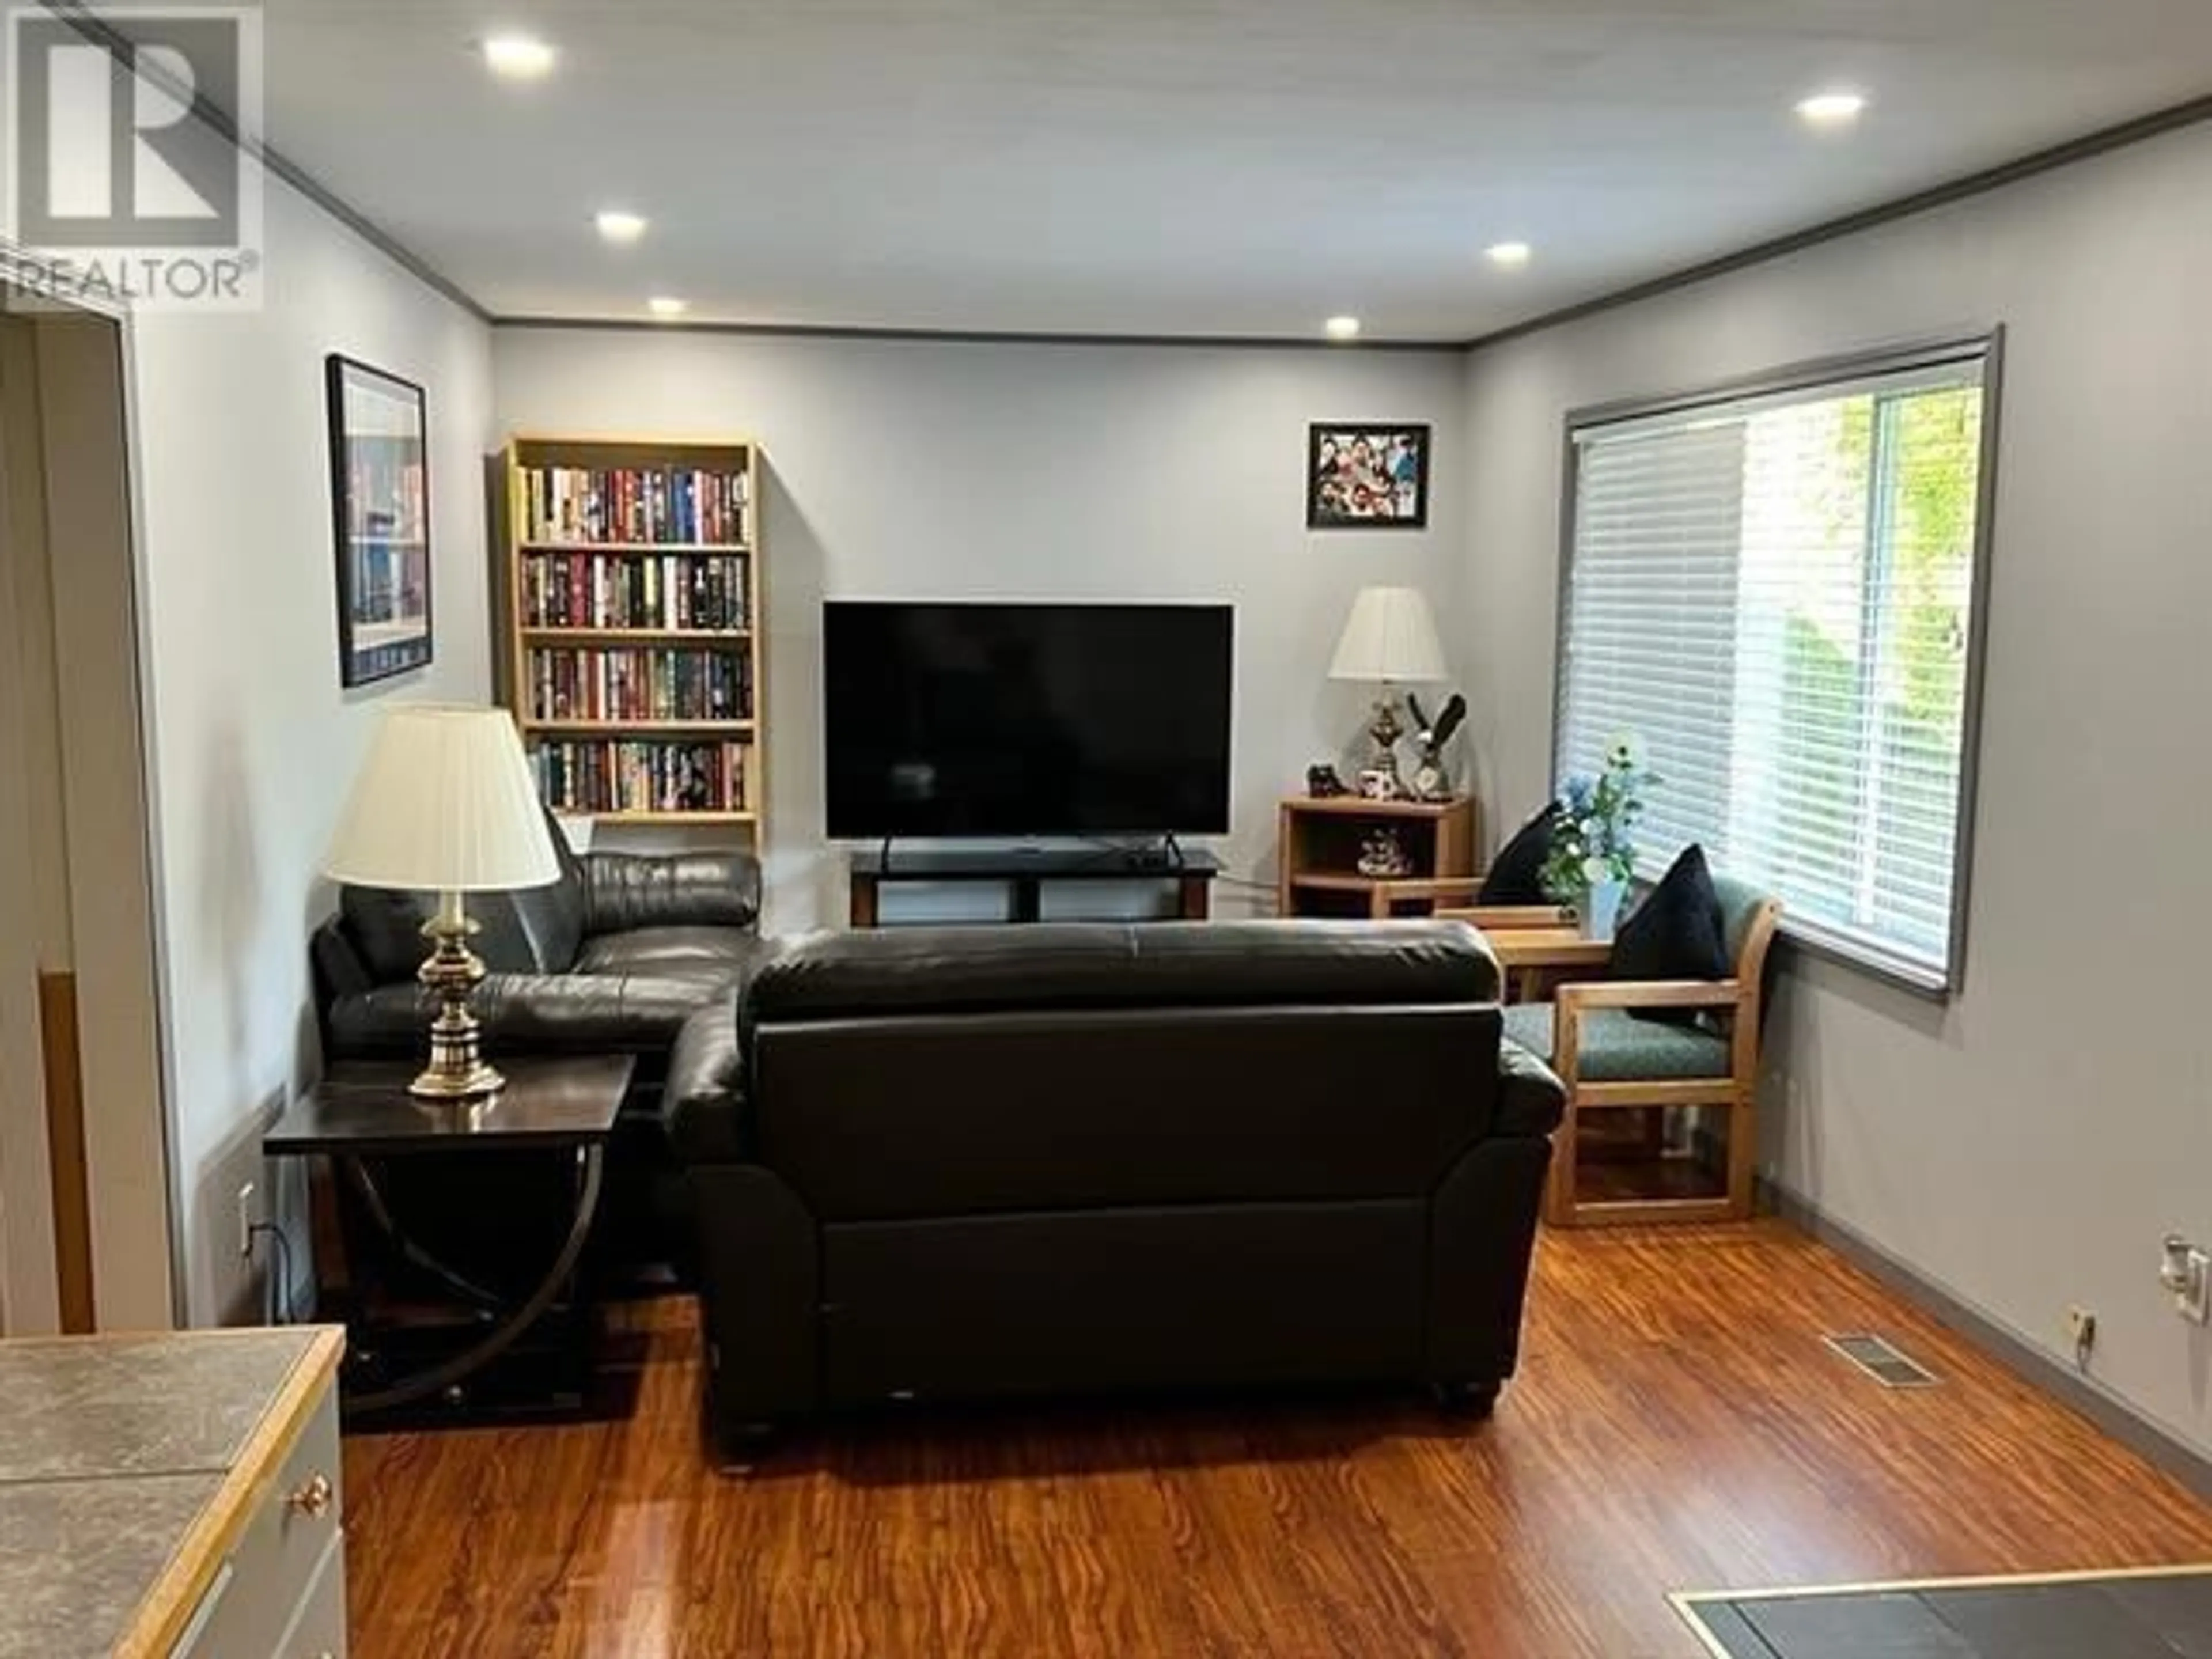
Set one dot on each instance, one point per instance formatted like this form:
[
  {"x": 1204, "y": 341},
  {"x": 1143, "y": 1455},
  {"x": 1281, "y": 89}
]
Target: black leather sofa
[
  {"x": 612, "y": 958},
  {"x": 939, "y": 1164}
]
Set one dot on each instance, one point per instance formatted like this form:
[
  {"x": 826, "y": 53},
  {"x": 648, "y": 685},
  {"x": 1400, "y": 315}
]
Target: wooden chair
[
  {"x": 1385, "y": 897},
  {"x": 1612, "y": 1061}
]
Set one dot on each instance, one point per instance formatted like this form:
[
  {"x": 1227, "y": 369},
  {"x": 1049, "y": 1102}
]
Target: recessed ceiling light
[
  {"x": 1342, "y": 328},
  {"x": 668, "y": 305},
  {"x": 1509, "y": 256},
  {"x": 617, "y": 226},
  {"x": 1832, "y": 109},
  {"x": 518, "y": 57}
]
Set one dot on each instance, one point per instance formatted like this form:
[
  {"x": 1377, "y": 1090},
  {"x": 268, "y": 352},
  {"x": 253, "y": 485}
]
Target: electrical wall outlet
[
  {"x": 2081, "y": 1332},
  {"x": 248, "y": 1217},
  {"x": 2186, "y": 1271}
]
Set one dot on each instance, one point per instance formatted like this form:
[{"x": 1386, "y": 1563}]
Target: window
[{"x": 1776, "y": 592}]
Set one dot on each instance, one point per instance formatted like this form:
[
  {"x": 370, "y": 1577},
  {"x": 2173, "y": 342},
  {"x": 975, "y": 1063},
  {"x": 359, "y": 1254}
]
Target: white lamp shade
[
  {"x": 444, "y": 803},
  {"x": 1390, "y": 638}
]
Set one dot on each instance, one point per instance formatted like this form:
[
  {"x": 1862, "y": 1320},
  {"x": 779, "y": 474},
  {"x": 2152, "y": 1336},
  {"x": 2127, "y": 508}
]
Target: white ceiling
[{"x": 1168, "y": 167}]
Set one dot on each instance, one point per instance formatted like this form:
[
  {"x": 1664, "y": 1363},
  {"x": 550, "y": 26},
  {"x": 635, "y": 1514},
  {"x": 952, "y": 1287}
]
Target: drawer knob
[{"x": 314, "y": 1500}]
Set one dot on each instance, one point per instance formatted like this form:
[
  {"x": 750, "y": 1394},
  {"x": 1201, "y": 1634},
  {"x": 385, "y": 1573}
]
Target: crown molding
[
  {"x": 2156, "y": 124},
  {"x": 980, "y": 337},
  {"x": 99, "y": 31}
]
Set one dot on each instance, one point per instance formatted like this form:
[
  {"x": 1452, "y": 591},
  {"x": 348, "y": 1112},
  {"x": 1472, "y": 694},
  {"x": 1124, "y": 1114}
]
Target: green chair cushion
[
  {"x": 1617, "y": 1048},
  {"x": 1739, "y": 902}
]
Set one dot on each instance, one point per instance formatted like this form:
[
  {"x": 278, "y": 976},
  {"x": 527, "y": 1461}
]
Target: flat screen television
[{"x": 986, "y": 720}]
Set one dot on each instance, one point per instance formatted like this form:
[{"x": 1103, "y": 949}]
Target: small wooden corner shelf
[{"x": 1320, "y": 840}]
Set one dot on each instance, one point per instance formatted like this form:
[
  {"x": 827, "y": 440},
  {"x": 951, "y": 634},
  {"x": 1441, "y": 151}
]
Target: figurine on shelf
[
  {"x": 1377, "y": 783},
  {"x": 1323, "y": 784},
  {"x": 1431, "y": 783},
  {"x": 1382, "y": 856}
]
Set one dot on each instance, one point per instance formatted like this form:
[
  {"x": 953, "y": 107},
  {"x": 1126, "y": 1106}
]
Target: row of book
[
  {"x": 668, "y": 590},
  {"x": 640, "y": 683},
  {"x": 633, "y": 504},
  {"x": 601, "y": 776}
]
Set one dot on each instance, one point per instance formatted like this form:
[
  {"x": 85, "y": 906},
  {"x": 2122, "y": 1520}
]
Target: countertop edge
[{"x": 169, "y": 1603}]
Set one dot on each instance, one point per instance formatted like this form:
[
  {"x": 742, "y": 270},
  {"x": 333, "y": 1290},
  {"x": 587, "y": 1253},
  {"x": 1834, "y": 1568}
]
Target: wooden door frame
[
  {"x": 87, "y": 411},
  {"x": 30, "y": 1275}
]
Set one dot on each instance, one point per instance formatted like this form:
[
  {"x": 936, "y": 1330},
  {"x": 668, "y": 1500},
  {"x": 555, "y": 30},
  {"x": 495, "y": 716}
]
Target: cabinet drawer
[
  {"x": 269, "y": 1575},
  {"x": 318, "y": 1629}
]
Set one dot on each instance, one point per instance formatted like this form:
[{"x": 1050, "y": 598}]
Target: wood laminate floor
[{"x": 1677, "y": 1425}]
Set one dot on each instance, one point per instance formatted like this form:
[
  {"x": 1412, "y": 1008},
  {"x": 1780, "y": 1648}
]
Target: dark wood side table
[{"x": 405, "y": 1362}]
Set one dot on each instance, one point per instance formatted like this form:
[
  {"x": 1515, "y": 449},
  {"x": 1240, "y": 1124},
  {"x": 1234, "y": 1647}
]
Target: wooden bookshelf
[
  {"x": 632, "y": 635},
  {"x": 636, "y": 728},
  {"x": 632, "y": 626}
]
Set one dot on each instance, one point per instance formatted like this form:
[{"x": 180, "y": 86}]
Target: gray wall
[
  {"x": 909, "y": 468},
  {"x": 2027, "y": 1145},
  {"x": 255, "y": 744}
]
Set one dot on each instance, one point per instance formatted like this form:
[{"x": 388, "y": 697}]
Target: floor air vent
[{"x": 1875, "y": 1357}]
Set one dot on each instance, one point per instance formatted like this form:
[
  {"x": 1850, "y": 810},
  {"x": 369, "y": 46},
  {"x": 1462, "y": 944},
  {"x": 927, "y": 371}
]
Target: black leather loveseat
[
  {"x": 932, "y": 1163},
  {"x": 612, "y": 958}
]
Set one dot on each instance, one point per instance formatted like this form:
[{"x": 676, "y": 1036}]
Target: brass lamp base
[
  {"x": 457, "y": 1074},
  {"x": 470, "y": 1085},
  {"x": 1379, "y": 779}
]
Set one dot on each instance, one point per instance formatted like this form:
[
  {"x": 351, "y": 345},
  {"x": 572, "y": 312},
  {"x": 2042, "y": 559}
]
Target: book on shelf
[
  {"x": 643, "y": 682},
  {"x": 636, "y": 504},
  {"x": 605, "y": 775},
  {"x": 672, "y": 590}
]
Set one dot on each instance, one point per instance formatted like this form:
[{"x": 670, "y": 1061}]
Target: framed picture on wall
[
  {"x": 380, "y": 513},
  {"x": 1367, "y": 475}
]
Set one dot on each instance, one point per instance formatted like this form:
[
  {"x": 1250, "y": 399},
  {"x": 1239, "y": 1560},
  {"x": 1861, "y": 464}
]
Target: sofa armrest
[
  {"x": 628, "y": 890},
  {"x": 703, "y": 1105},
  {"x": 521, "y": 1014},
  {"x": 1531, "y": 1099}
]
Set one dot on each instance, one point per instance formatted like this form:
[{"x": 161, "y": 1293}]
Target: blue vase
[{"x": 1601, "y": 909}]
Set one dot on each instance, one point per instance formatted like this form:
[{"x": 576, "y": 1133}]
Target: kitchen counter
[{"x": 131, "y": 1470}]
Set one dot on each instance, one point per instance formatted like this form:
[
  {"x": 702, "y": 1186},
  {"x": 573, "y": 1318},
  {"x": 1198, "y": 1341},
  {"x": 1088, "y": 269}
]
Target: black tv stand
[{"x": 1025, "y": 869}]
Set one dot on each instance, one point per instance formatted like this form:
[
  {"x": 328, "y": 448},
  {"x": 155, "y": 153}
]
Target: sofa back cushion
[
  {"x": 386, "y": 926},
  {"x": 968, "y": 970},
  {"x": 625, "y": 891},
  {"x": 889, "y": 1116},
  {"x": 532, "y": 930},
  {"x": 554, "y": 916},
  {"x": 981, "y": 1070}
]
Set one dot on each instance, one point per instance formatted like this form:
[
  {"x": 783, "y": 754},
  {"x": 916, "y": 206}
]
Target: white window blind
[{"x": 1775, "y": 595}]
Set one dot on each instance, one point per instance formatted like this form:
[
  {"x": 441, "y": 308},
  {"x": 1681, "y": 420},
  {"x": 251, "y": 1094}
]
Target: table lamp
[
  {"x": 1389, "y": 640},
  {"x": 445, "y": 803}
]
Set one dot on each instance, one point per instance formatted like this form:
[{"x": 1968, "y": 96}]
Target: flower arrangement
[{"x": 1593, "y": 847}]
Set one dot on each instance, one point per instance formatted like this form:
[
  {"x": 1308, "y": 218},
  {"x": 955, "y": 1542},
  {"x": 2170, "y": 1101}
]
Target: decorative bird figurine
[{"x": 1430, "y": 781}]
